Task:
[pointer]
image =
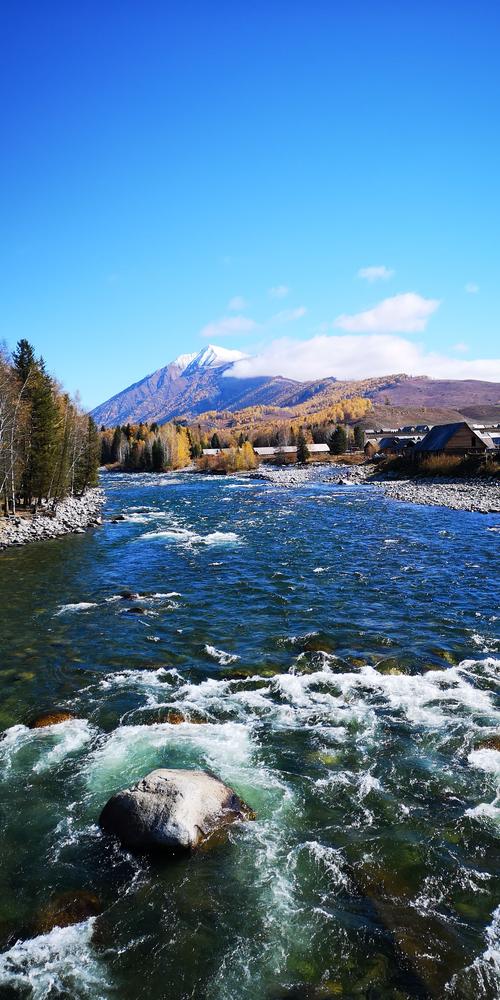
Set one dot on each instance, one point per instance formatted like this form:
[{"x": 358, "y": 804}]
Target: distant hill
[{"x": 194, "y": 384}]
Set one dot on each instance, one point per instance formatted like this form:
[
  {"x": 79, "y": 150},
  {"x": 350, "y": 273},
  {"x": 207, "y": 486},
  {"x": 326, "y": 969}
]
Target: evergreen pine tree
[
  {"x": 302, "y": 449},
  {"x": 359, "y": 437},
  {"x": 158, "y": 455},
  {"x": 43, "y": 436},
  {"x": 215, "y": 442},
  {"x": 115, "y": 444},
  {"x": 338, "y": 441},
  {"x": 23, "y": 359}
]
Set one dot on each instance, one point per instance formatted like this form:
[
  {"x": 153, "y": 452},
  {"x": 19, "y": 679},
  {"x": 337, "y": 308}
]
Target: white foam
[
  {"x": 220, "y": 655},
  {"x": 491, "y": 955},
  {"x": 188, "y": 537},
  {"x": 138, "y": 678},
  {"x": 81, "y": 606},
  {"x": 61, "y": 962},
  {"x": 221, "y": 538},
  {"x": 71, "y": 735},
  {"x": 482, "y": 978},
  {"x": 485, "y": 810},
  {"x": 51, "y": 743},
  {"x": 331, "y": 859},
  {"x": 130, "y": 751},
  {"x": 181, "y": 535},
  {"x": 487, "y": 760}
]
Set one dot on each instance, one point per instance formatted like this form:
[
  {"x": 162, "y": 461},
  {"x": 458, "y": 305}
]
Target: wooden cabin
[
  {"x": 454, "y": 439},
  {"x": 371, "y": 448}
]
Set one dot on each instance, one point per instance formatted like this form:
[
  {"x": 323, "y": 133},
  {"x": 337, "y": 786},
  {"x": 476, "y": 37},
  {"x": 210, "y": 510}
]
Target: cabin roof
[{"x": 437, "y": 438}]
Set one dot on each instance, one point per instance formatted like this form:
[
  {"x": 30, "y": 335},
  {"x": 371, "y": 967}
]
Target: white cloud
[
  {"x": 237, "y": 303},
  {"x": 471, "y": 288},
  {"x": 287, "y": 316},
  {"x": 351, "y": 357},
  {"x": 228, "y": 326},
  {"x": 376, "y": 273},
  {"x": 405, "y": 313},
  {"x": 279, "y": 292},
  {"x": 461, "y": 348}
]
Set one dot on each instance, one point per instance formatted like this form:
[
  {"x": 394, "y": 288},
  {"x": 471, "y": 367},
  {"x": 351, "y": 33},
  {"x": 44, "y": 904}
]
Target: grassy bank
[{"x": 467, "y": 467}]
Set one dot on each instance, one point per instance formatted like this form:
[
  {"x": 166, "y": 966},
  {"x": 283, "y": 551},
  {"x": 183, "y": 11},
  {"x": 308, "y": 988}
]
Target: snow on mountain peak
[
  {"x": 183, "y": 361},
  {"x": 212, "y": 356}
]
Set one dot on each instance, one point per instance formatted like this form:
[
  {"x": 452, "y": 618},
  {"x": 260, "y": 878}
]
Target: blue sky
[{"x": 171, "y": 174}]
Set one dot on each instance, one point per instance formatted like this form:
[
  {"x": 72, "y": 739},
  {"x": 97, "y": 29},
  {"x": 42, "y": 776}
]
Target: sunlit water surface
[{"x": 343, "y": 651}]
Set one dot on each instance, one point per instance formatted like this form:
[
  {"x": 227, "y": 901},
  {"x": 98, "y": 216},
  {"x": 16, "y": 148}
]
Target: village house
[
  {"x": 458, "y": 438},
  {"x": 395, "y": 444},
  {"x": 272, "y": 452}
]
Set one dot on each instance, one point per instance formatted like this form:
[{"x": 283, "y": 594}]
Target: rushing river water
[{"x": 343, "y": 651}]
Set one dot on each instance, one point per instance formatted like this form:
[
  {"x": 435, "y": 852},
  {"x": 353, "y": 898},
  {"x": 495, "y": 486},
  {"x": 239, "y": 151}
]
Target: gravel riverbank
[
  {"x": 71, "y": 516},
  {"x": 479, "y": 495}
]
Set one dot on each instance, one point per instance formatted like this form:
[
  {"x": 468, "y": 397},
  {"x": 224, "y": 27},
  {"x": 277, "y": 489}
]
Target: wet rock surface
[
  {"x": 172, "y": 809},
  {"x": 65, "y": 909},
  {"x": 50, "y": 719},
  {"x": 70, "y": 516}
]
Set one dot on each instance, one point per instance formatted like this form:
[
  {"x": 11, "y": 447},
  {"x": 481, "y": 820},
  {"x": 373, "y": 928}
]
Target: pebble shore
[
  {"x": 478, "y": 495},
  {"x": 71, "y": 516}
]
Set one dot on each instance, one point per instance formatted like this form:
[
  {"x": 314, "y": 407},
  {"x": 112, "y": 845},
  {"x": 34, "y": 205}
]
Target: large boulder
[{"x": 172, "y": 809}]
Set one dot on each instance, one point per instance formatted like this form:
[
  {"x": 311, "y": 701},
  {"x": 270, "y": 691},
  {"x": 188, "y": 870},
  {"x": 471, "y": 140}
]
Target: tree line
[
  {"x": 157, "y": 448},
  {"x": 49, "y": 448}
]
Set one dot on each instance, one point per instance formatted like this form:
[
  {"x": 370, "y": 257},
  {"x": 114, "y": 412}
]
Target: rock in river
[
  {"x": 50, "y": 719},
  {"x": 172, "y": 809}
]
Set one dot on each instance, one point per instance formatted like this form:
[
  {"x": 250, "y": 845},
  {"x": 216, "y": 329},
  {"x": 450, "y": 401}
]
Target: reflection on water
[{"x": 335, "y": 657}]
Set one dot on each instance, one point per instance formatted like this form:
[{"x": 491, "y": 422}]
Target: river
[{"x": 338, "y": 655}]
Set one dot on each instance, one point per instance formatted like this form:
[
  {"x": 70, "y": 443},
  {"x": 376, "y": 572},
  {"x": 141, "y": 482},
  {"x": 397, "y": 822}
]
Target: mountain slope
[{"x": 197, "y": 383}]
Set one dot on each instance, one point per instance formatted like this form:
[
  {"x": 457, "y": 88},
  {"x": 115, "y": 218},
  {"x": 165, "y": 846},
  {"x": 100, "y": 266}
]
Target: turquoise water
[{"x": 343, "y": 652}]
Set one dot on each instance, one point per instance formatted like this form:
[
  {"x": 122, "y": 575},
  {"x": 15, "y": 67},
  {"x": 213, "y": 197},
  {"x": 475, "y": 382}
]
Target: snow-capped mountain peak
[
  {"x": 183, "y": 361},
  {"x": 212, "y": 356}
]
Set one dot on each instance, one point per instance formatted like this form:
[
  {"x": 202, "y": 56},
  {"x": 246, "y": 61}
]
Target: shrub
[
  {"x": 234, "y": 460},
  {"x": 440, "y": 465}
]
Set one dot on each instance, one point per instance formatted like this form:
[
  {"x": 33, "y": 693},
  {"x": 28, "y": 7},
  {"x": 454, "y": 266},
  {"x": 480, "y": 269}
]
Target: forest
[
  {"x": 158, "y": 447},
  {"x": 49, "y": 448}
]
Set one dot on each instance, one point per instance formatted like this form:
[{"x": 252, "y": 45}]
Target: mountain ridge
[{"x": 194, "y": 384}]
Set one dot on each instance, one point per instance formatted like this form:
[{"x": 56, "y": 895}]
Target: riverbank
[
  {"x": 479, "y": 495},
  {"x": 476, "y": 494},
  {"x": 73, "y": 515}
]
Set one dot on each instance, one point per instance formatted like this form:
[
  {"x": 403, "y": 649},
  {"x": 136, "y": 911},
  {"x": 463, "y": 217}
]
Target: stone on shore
[
  {"x": 73, "y": 515},
  {"x": 172, "y": 809}
]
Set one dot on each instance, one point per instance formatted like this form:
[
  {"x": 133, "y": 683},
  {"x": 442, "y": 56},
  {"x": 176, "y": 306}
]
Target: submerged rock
[
  {"x": 175, "y": 718},
  {"x": 50, "y": 719},
  {"x": 489, "y": 743},
  {"x": 172, "y": 809},
  {"x": 65, "y": 909}
]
